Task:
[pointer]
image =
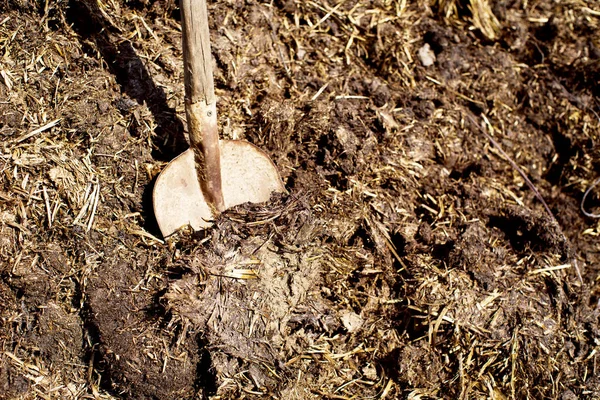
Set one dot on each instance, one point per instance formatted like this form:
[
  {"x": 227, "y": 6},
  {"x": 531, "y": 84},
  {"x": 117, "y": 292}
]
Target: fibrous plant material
[{"x": 409, "y": 259}]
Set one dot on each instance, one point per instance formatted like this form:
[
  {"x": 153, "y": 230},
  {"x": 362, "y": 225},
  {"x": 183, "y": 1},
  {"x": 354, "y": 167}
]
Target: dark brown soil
[{"x": 410, "y": 258}]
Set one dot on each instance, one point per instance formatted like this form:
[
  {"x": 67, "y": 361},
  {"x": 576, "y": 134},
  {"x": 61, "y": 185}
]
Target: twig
[
  {"x": 515, "y": 166},
  {"x": 528, "y": 182},
  {"x": 94, "y": 207},
  {"x": 142, "y": 233},
  {"x": 48, "y": 210},
  {"x": 590, "y": 11},
  {"x": 582, "y": 206},
  {"x": 37, "y": 131},
  {"x": 86, "y": 204}
]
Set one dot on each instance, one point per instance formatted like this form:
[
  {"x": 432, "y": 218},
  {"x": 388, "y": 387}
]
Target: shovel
[{"x": 212, "y": 175}]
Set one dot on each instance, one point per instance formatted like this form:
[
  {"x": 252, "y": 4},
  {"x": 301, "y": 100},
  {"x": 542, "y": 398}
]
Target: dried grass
[{"x": 408, "y": 261}]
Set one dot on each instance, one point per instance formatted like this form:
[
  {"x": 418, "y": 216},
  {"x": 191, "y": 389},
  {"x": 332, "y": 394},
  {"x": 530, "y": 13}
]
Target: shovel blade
[{"x": 247, "y": 173}]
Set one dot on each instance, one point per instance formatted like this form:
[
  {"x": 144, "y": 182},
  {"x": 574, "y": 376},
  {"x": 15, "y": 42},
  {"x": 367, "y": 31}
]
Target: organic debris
[{"x": 410, "y": 258}]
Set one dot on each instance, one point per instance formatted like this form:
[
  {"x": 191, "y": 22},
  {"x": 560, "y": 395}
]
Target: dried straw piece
[
  {"x": 38, "y": 131},
  {"x": 484, "y": 19}
]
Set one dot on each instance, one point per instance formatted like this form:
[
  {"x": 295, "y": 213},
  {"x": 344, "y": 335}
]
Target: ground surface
[{"x": 409, "y": 259}]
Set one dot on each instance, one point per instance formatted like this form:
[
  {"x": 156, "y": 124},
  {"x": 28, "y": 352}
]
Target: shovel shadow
[
  {"x": 131, "y": 74},
  {"x": 134, "y": 79}
]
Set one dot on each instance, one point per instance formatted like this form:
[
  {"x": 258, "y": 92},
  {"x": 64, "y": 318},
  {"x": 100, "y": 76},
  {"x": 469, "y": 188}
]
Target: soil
[{"x": 431, "y": 243}]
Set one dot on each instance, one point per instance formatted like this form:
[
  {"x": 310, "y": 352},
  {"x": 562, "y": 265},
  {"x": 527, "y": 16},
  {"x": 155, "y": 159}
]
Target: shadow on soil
[
  {"x": 206, "y": 378},
  {"x": 131, "y": 75},
  {"x": 135, "y": 81}
]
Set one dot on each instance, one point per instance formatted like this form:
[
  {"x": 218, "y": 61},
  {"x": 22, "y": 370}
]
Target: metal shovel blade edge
[{"x": 247, "y": 175}]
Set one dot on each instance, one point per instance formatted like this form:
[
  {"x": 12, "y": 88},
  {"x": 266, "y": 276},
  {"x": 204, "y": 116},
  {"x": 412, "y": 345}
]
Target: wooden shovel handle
[{"x": 200, "y": 100}]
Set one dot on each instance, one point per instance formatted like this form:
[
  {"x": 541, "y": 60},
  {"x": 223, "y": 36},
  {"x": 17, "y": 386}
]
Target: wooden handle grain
[
  {"x": 200, "y": 100},
  {"x": 199, "y": 84}
]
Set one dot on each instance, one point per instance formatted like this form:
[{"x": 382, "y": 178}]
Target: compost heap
[{"x": 431, "y": 244}]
